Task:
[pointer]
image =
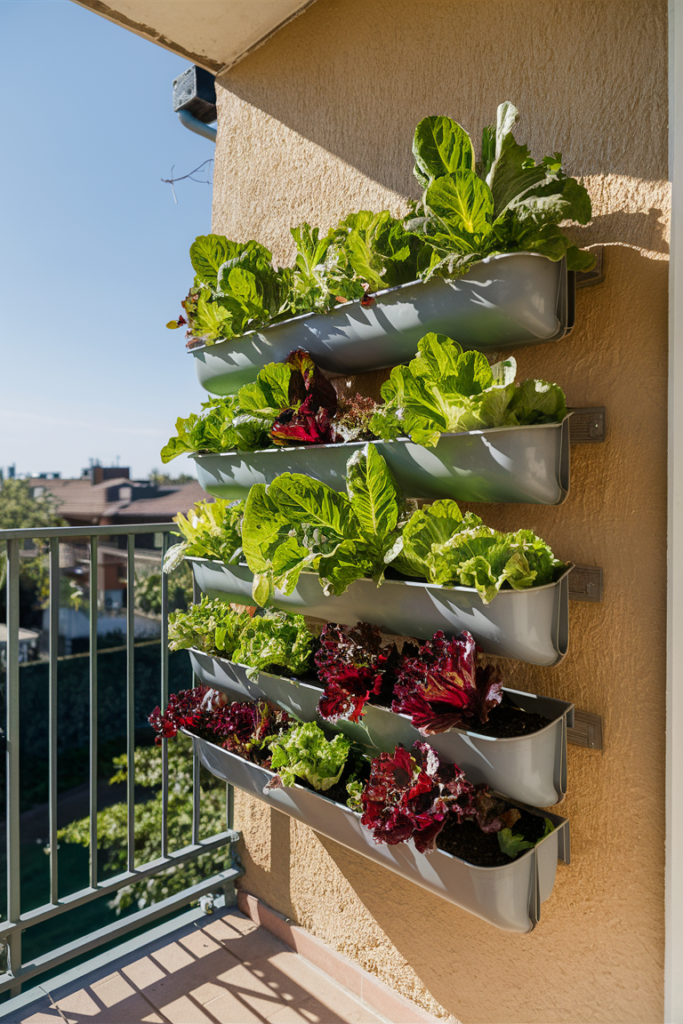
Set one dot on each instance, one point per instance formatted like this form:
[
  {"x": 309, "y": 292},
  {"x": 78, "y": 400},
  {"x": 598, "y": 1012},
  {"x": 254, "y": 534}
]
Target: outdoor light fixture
[{"x": 194, "y": 100}]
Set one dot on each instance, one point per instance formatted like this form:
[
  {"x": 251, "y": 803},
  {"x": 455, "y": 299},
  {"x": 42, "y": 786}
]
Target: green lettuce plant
[
  {"x": 212, "y": 529},
  {"x": 273, "y": 641},
  {"x": 445, "y": 389},
  {"x": 506, "y": 202},
  {"x": 297, "y": 523},
  {"x": 470, "y": 209},
  {"x": 306, "y": 753}
]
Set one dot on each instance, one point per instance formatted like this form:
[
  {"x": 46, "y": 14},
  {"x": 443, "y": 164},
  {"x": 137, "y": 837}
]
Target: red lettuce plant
[
  {"x": 241, "y": 727},
  {"x": 353, "y": 666},
  {"x": 412, "y": 796},
  {"x": 313, "y": 404},
  {"x": 443, "y": 687}
]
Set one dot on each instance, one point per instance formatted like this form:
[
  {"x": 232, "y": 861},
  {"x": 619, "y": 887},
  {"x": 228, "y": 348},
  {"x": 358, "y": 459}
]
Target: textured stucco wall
[{"x": 318, "y": 122}]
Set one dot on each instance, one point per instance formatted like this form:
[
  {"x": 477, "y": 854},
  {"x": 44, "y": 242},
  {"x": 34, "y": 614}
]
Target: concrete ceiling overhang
[{"x": 215, "y": 34}]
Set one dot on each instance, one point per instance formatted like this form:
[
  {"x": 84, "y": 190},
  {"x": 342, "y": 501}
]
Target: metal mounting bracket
[
  {"x": 585, "y": 583},
  {"x": 586, "y": 731},
  {"x": 587, "y": 425},
  {"x": 597, "y": 274}
]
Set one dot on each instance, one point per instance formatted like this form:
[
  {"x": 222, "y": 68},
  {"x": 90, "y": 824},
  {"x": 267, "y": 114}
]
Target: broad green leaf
[
  {"x": 512, "y": 845},
  {"x": 208, "y": 253},
  {"x": 462, "y": 202},
  {"x": 176, "y": 446},
  {"x": 429, "y": 526},
  {"x": 373, "y": 493},
  {"x": 440, "y": 146},
  {"x": 579, "y": 259},
  {"x": 211, "y": 320},
  {"x": 537, "y": 401},
  {"x": 300, "y": 499},
  {"x": 493, "y": 406}
]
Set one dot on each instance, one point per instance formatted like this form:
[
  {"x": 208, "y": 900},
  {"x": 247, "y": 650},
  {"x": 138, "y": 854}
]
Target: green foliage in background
[{"x": 112, "y": 827}]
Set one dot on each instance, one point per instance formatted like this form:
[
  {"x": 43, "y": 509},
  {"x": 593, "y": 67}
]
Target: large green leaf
[
  {"x": 301, "y": 499},
  {"x": 432, "y": 525},
  {"x": 440, "y": 146},
  {"x": 208, "y": 253},
  {"x": 373, "y": 492},
  {"x": 462, "y": 202},
  {"x": 538, "y": 401}
]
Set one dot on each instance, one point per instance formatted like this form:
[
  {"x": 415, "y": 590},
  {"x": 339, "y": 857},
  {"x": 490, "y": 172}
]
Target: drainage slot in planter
[
  {"x": 529, "y": 625},
  {"x": 506, "y": 301},
  {"x": 531, "y": 768},
  {"x": 507, "y": 464},
  {"x": 508, "y": 897}
]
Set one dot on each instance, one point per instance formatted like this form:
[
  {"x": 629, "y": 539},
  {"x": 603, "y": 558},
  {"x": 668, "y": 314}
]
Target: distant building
[{"x": 106, "y": 496}]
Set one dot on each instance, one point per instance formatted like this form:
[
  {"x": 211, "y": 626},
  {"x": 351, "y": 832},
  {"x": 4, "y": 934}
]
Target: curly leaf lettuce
[
  {"x": 445, "y": 390},
  {"x": 212, "y": 529},
  {"x": 306, "y": 753}
]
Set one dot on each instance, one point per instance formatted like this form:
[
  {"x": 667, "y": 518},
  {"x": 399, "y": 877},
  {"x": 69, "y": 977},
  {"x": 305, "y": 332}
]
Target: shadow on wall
[
  {"x": 399, "y": 68},
  {"x": 269, "y": 876}
]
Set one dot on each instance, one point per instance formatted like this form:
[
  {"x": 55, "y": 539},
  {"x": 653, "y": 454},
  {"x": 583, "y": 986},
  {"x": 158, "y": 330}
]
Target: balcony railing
[{"x": 17, "y": 922}]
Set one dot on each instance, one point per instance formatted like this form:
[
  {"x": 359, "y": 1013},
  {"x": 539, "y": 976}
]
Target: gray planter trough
[
  {"x": 530, "y": 625},
  {"x": 506, "y": 301},
  {"x": 531, "y": 768},
  {"x": 510, "y": 464},
  {"x": 508, "y": 897}
]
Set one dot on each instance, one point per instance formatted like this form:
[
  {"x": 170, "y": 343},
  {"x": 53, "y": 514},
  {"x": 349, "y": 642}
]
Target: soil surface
[
  {"x": 508, "y": 720},
  {"x": 470, "y": 844}
]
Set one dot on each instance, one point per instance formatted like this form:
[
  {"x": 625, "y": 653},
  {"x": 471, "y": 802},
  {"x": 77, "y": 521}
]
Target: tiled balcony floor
[{"x": 223, "y": 970}]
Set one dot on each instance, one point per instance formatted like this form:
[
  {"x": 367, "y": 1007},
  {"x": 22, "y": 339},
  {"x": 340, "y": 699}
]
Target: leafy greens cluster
[
  {"x": 288, "y": 403},
  {"x": 439, "y": 685},
  {"x": 446, "y": 390},
  {"x": 469, "y": 210},
  {"x": 275, "y": 642},
  {"x": 400, "y": 795},
  {"x": 298, "y": 524},
  {"x": 212, "y": 529},
  {"x": 443, "y": 389}
]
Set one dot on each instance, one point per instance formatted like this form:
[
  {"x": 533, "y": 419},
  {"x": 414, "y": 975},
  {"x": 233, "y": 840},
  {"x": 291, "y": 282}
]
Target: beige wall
[{"x": 318, "y": 122}]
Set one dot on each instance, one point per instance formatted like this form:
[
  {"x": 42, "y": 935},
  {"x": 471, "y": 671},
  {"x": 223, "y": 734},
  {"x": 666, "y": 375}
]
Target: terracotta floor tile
[
  {"x": 309, "y": 990},
  {"x": 249, "y": 985},
  {"x": 186, "y": 1011},
  {"x": 113, "y": 989},
  {"x": 199, "y": 943},
  {"x": 256, "y": 945},
  {"x": 172, "y": 957},
  {"x": 237, "y": 920},
  {"x": 229, "y": 1008},
  {"x": 191, "y": 979},
  {"x": 46, "y": 1018},
  {"x": 143, "y": 973},
  {"x": 80, "y": 1003}
]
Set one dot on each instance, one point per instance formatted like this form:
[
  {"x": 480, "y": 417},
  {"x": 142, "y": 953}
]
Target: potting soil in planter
[{"x": 470, "y": 844}]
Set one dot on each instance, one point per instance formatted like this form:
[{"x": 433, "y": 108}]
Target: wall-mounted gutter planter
[
  {"x": 530, "y": 625},
  {"x": 505, "y": 301},
  {"x": 530, "y": 768},
  {"x": 508, "y": 897},
  {"x": 510, "y": 464}
]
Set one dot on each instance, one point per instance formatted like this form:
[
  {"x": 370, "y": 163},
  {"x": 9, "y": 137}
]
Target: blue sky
[{"x": 94, "y": 252}]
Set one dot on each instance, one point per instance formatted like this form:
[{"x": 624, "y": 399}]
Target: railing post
[
  {"x": 12, "y": 761},
  {"x": 93, "y": 711},
  {"x": 52, "y": 713},
  {"x": 130, "y": 699},
  {"x": 164, "y": 699}
]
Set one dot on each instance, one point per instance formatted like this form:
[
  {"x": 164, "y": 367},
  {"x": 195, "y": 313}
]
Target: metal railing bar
[
  {"x": 93, "y": 710},
  {"x": 64, "y": 532},
  {"x": 130, "y": 700},
  {"x": 164, "y": 701},
  {"x": 52, "y": 713},
  {"x": 196, "y": 765},
  {"x": 77, "y": 899},
  {"x": 12, "y": 757},
  {"x": 118, "y": 928}
]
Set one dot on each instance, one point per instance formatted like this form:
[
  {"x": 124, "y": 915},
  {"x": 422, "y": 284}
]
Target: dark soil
[
  {"x": 508, "y": 720},
  {"x": 470, "y": 844}
]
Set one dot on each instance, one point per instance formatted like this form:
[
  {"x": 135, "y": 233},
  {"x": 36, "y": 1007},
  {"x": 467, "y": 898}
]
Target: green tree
[
  {"x": 20, "y": 510},
  {"x": 112, "y": 833}
]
